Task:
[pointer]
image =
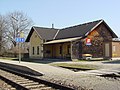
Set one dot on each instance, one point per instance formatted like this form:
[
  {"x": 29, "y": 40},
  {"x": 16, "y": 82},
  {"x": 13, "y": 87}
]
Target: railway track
[{"x": 21, "y": 81}]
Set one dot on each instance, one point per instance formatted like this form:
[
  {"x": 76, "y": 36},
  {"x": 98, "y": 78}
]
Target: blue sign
[
  {"x": 20, "y": 39},
  {"x": 17, "y": 39}
]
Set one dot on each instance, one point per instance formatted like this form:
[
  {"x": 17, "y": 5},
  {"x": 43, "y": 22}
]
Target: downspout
[{"x": 71, "y": 50}]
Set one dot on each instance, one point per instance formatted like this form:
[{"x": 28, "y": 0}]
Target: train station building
[{"x": 93, "y": 38}]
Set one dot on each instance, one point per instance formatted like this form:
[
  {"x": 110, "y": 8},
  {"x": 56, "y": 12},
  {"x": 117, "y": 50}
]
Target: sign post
[
  {"x": 19, "y": 52},
  {"x": 20, "y": 40}
]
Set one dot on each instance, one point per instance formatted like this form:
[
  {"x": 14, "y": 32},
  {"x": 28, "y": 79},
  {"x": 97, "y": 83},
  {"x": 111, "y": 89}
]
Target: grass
[
  {"x": 8, "y": 58},
  {"x": 77, "y": 66},
  {"x": 93, "y": 59}
]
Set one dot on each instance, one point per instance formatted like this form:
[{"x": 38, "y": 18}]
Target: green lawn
[{"x": 77, "y": 66}]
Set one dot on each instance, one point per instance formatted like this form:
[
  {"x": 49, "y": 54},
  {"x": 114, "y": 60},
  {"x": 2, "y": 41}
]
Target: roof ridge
[
  {"x": 45, "y": 27},
  {"x": 37, "y": 32},
  {"x": 100, "y": 21},
  {"x": 83, "y": 24}
]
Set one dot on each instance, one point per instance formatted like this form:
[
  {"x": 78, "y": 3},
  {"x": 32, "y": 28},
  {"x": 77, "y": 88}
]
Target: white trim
[
  {"x": 37, "y": 33},
  {"x": 56, "y": 34},
  {"x": 94, "y": 27},
  {"x": 63, "y": 40},
  {"x": 115, "y": 58}
]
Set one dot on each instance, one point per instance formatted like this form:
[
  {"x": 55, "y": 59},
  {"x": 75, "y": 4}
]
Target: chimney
[{"x": 52, "y": 25}]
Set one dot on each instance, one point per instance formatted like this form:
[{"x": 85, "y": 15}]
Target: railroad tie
[
  {"x": 29, "y": 84},
  {"x": 35, "y": 86},
  {"x": 44, "y": 88}
]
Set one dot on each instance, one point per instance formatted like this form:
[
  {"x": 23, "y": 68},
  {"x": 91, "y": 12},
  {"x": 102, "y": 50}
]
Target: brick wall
[{"x": 98, "y": 36}]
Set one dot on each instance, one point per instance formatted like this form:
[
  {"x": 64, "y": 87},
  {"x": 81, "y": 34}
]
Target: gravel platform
[{"x": 82, "y": 80}]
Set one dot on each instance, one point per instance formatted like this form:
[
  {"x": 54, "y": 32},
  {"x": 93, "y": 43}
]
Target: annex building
[{"x": 95, "y": 38}]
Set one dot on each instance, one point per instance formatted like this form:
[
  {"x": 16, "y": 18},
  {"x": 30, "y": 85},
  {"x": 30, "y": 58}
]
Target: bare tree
[
  {"x": 17, "y": 22},
  {"x": 3, "y": 28}
]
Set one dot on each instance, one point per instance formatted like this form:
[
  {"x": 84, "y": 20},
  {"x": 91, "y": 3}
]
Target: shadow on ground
[
  {"x": 43, "y": 61},
  {"x": 112, "y": 62}
]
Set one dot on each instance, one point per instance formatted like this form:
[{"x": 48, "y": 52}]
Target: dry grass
[{"x": 77, "y": 66}]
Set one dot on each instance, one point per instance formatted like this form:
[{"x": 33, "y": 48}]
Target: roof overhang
[
  {"x": 29, "y": 35},
  {"x": 94, "y": 28},
  {"x": 62, "y": 40},
  {"x": 102, "y": 21}
]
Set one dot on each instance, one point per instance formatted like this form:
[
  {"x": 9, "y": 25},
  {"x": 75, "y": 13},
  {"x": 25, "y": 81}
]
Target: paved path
[{"x": 84, "y": 79}]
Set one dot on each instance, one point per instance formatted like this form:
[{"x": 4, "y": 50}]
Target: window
[
  {"x": 33, "y": 49},
  {"x": 68, "y": 49},
  {"x": 37, "y": 50},
  {"x": 60, "y": 49},
  {"x": 114, "y": 48}
]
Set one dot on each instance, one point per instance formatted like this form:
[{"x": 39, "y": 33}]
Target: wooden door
[{"x": 107, "y": 50}]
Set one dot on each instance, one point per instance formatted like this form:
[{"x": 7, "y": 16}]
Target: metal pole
[{"x": 19, "y": 52}]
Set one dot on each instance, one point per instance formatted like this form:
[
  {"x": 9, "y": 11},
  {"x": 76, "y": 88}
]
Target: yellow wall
[
  {"x": 115, "y": 49},
  {"x": 57, "y": 49},
  {"x": 34, "y": 42},
  {"x": 54, "y": 49}
]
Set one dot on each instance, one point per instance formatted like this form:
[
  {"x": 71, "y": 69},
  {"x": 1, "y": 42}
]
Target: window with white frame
[{"x": 114, "y": 48}]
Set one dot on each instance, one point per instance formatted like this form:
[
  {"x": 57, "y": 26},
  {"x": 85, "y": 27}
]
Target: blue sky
[{"x": 64, "y": 13}]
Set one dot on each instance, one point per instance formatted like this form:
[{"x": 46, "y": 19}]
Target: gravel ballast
[{"x": 82, "y": 80}]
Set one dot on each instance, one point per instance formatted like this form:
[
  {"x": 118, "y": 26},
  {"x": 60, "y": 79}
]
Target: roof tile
[{"x": 76, "y": 31}]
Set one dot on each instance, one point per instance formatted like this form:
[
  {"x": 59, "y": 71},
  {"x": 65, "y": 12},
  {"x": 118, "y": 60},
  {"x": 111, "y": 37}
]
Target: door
[{"x": 107, "y": 50}]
